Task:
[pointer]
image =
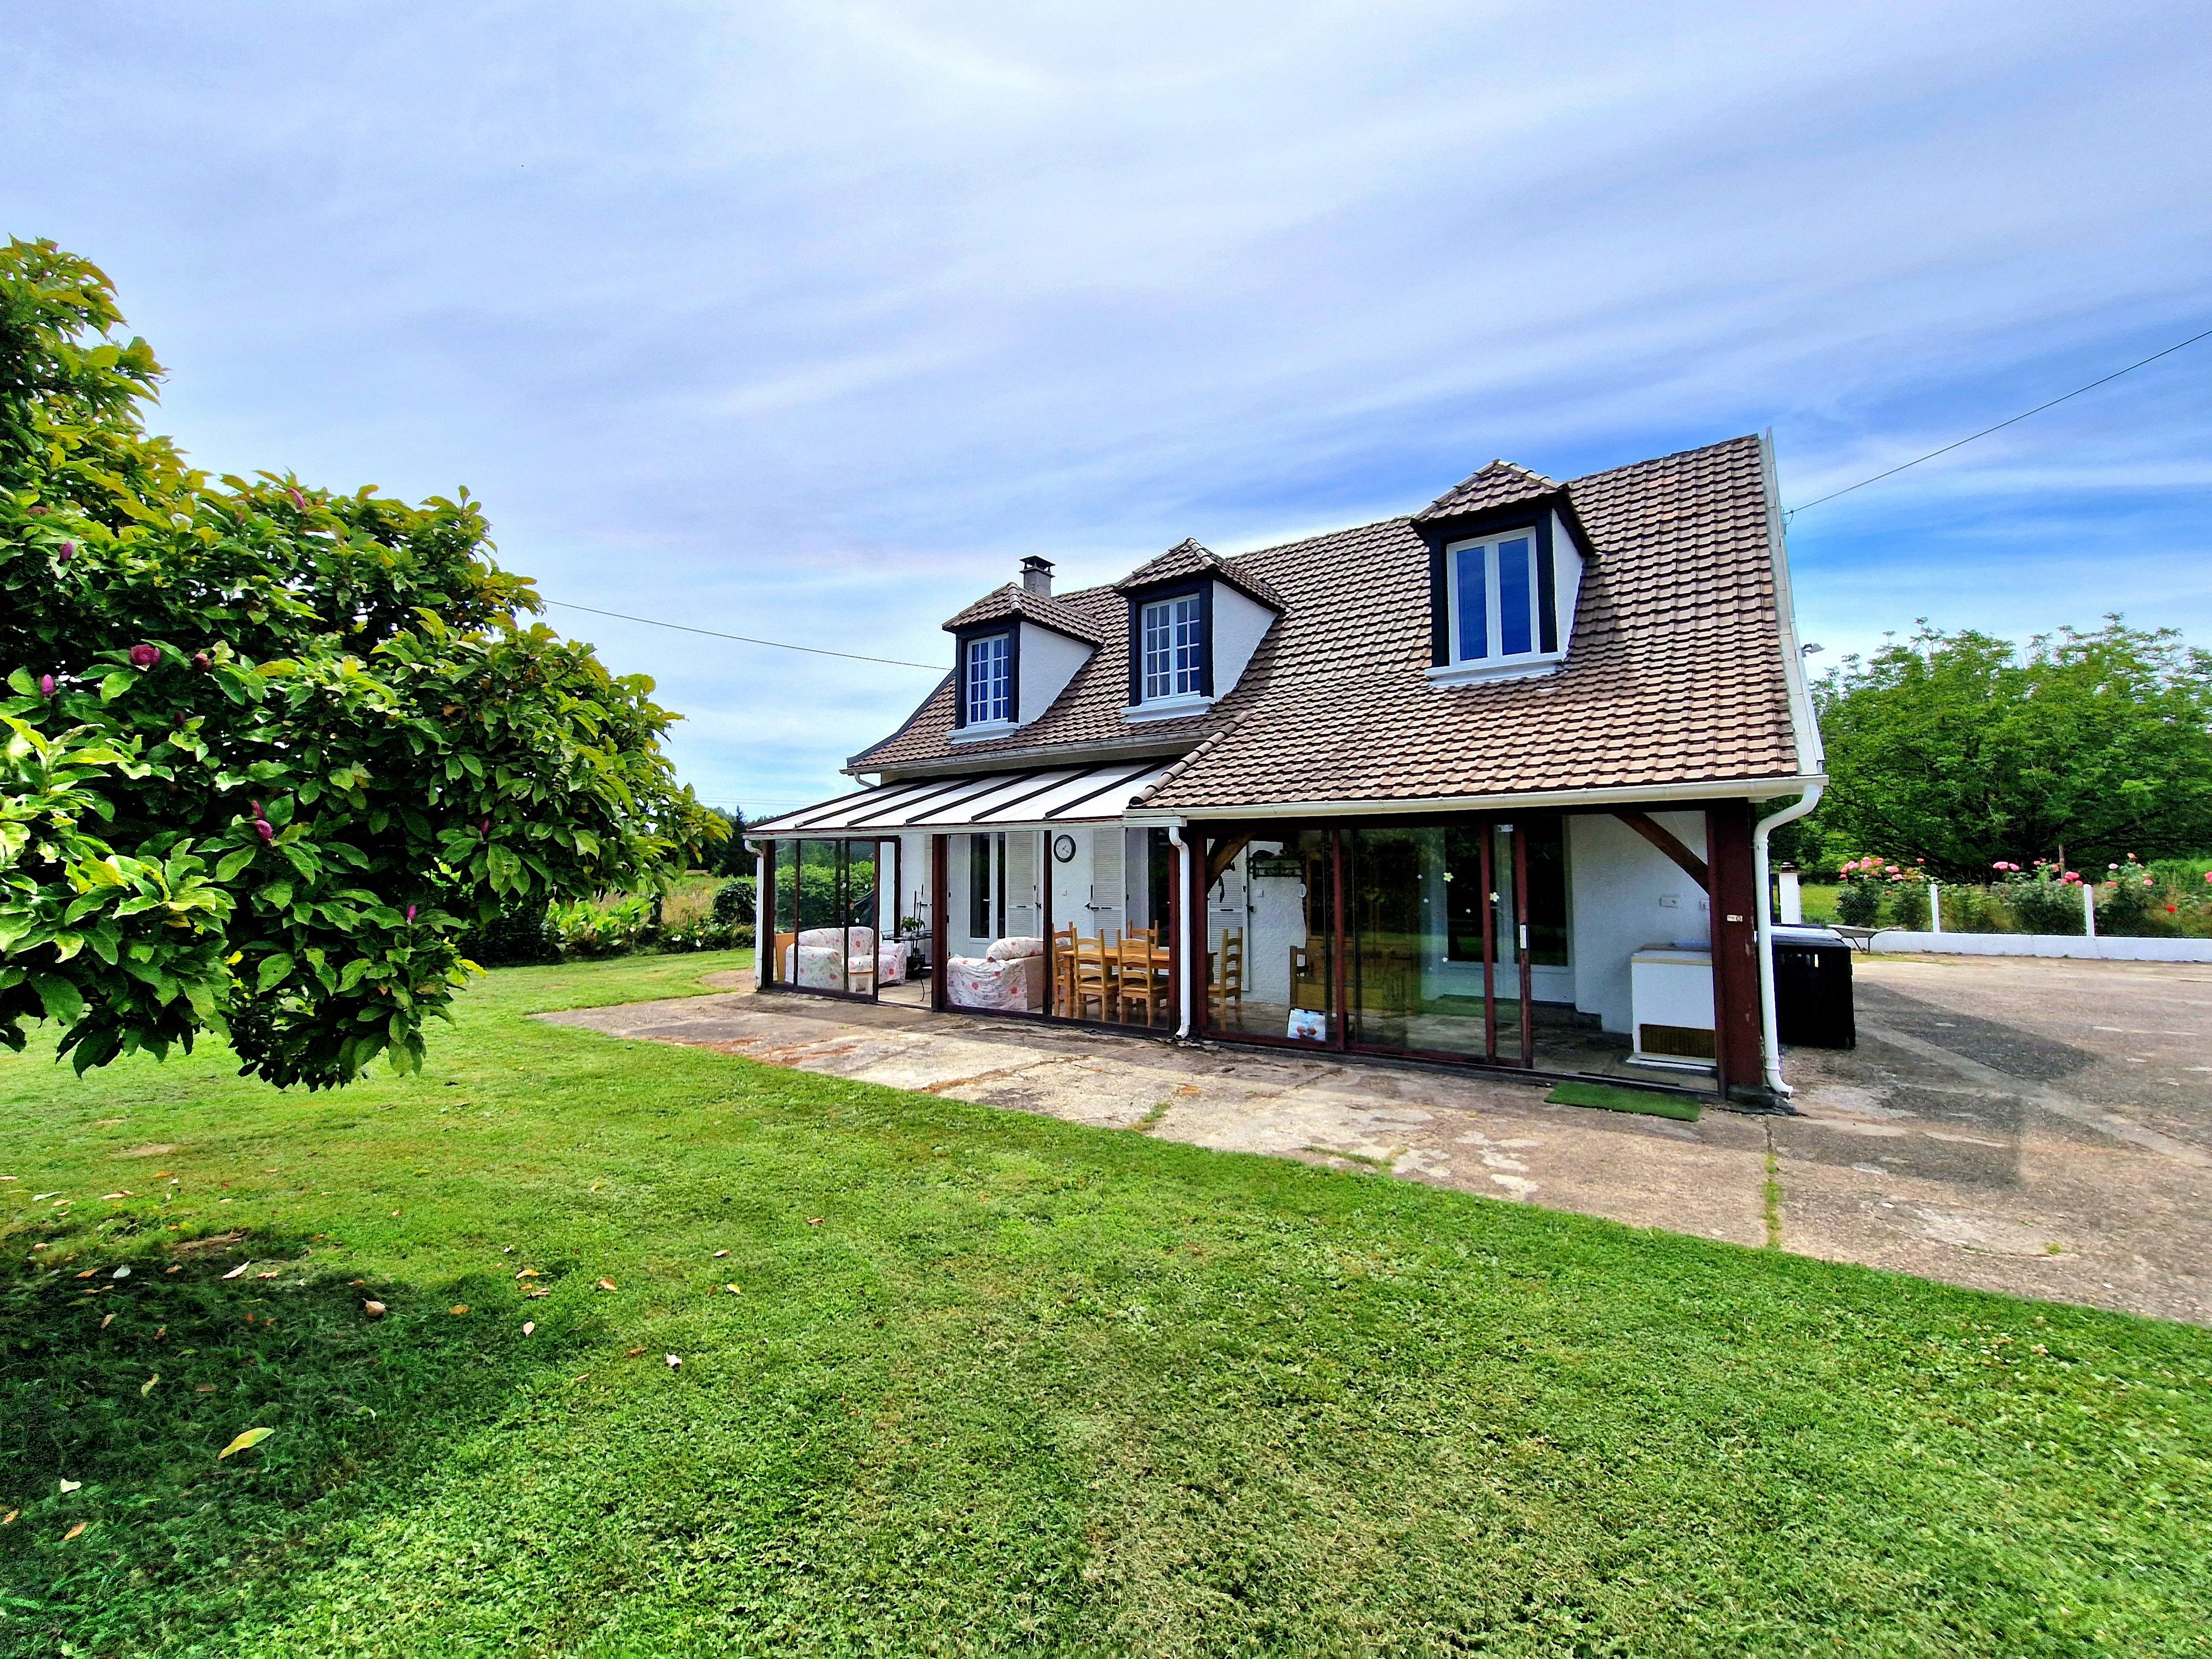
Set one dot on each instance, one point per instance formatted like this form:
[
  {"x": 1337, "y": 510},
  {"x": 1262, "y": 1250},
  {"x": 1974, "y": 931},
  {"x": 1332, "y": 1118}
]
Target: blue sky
[{"x": 810, "y": 320}]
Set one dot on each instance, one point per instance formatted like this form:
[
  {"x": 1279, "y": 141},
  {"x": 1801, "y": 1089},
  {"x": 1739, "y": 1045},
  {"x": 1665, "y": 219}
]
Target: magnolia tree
[{"x": 269, "y": 748}]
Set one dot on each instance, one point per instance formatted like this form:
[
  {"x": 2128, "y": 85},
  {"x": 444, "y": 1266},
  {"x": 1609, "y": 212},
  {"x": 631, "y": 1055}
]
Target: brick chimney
[{"x": 1036, "y": 576}]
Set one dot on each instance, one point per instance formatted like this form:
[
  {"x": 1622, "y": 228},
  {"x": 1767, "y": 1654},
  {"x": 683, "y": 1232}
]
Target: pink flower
[
  {"x": 266, "y": 830},
  {"x": 298, "y": 500},
  {"x": 46, "y": 687},
  {"x": 410, "y": 912},
  {"x": 143, "y": 657},
  {"x": 2069, "y": 876},
  {"x": 68, "y": 551},
  {"x": 2111, "y": 866},
  {"x": 1999, "y": 865}
]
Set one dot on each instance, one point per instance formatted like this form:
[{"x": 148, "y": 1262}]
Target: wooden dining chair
[
  {"x": 1091, "y": 978},
  {"x": 1063, "y": 969},
  {"x": 1225, "y": 984},
  {"x": 1137, "y": 980}
]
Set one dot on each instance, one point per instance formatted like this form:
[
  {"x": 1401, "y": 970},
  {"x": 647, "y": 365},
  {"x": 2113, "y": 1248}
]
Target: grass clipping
[{"x": 1609, "y": 1099}]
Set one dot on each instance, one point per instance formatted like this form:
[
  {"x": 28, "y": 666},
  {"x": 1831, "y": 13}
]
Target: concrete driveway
[{"x": 2038, "y": 1127}]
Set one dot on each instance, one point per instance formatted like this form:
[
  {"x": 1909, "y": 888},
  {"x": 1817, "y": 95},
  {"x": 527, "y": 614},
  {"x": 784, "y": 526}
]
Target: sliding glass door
[{"x": 828, "y": 903}]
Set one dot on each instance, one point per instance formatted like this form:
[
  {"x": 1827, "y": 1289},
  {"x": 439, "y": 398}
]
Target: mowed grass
[{"x": 993, "y": 1382}]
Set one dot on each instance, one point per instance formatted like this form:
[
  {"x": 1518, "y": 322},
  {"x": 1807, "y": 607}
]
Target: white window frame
[
  {"x": 1002, "y": 709},
  {"x": 1497, "y": 660},
  {"x": 1169, "y": 686}
]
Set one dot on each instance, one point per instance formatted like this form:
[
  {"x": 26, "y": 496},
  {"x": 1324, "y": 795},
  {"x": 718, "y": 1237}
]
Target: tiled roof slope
[
  {"x": 1192, "y": 557},
  {"x": 1675, "y": 673},
  {"x": 1499, "y": 484},
  {"x": 1015, "y": 600}
]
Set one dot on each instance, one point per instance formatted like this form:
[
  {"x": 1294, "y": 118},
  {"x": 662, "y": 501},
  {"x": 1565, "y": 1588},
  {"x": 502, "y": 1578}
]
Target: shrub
[
  {"x": 2043, "y": 900},
  {"x": 520, "y": 936},
  {"x": 734, "y": 901},
  {"x": 1859, "y": 903},
  {"x": 1908, "y": 905},
  {"x": 1973, "y": 910}
]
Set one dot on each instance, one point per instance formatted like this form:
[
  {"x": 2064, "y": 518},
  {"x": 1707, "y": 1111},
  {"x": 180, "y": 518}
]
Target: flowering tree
[{"x": 268, "y": 748}]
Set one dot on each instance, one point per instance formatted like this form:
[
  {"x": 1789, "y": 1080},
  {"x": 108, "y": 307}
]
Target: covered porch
[{"x": 1614, "y": 941}]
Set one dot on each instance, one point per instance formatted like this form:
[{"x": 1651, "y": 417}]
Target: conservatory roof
[{"x": 1035, "y": 799}]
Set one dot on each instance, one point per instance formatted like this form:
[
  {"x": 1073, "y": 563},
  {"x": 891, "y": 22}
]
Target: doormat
[{"x": 1610, "y": 1099}]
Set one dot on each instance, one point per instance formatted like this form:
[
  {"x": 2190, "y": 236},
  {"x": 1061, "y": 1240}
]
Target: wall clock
[{"x": 1063, "y": 847}]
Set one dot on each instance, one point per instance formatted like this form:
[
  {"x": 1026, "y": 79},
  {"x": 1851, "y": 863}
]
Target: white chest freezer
[{"x": 1671, "y": 1002}]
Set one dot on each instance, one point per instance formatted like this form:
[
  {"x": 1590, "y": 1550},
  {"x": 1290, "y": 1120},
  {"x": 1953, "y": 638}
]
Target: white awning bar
[{"x": 1035, "y": 799}]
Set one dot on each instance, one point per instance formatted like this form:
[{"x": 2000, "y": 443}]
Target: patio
[{"x": 2011, "y": 1125}]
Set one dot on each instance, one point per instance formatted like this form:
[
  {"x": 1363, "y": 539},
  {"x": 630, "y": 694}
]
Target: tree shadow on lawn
[{"x": 129, "y": 1388}]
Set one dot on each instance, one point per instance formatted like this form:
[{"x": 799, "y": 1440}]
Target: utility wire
[
  {"x": 1999, "y": 426},
  {"x": 747, "y": 639}
]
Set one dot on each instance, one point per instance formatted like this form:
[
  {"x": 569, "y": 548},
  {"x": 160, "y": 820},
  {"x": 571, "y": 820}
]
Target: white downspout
[
  {"x": 1770, "y": 1022},
  {"x": 1182, "y": 945}
]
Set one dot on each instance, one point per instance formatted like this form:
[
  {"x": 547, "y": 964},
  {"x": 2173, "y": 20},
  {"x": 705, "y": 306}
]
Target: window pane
[
  {"x": 1516, "y": 600},
  {"x": 1270, "y": 939},
  {"x": 1186, "y": 613},
  {"x": 987, "y": 687},
  {"x": 1158, "y": 630},
  {"x": 1474, "y": 604}
]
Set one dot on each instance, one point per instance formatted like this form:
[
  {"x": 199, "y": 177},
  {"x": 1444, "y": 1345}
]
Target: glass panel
[
  {"x": 814, "y": 956},
  {"x": 1515, "y": 597},
  {"x": 988, "y": 690},
  {"x": 1186, "y": 613},
  {"x": 992, "y": 965},
  {"x": 1270, "y": 937},
  {"x": 1404, "y": 988},
  {"x": 1547, "y": 891},
  {"x": 1473, "y": 581},
  {"x": 785, "y": 915}
]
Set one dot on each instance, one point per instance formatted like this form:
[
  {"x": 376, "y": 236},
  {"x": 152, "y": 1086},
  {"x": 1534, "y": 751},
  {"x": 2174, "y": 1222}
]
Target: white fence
[{"x": 2044, "y": 944}]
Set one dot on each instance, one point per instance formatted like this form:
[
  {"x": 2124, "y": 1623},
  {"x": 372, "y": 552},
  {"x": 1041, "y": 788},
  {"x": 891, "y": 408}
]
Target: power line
[
  {"x": 746, "y": 639},
  {"x": 1999, "y": 426}
]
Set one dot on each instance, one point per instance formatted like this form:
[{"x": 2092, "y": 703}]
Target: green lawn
[{"x": 993, "y": 1382}]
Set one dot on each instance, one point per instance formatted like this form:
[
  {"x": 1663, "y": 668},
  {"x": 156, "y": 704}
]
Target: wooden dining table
[{"x": 1161, "y": 960}]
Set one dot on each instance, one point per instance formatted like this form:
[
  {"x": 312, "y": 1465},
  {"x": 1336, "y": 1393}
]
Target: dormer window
[
  {"x": 1174, "y": 632},
  {"x": 1500, "y": 602},
  {"x": 990, "y": 681}
]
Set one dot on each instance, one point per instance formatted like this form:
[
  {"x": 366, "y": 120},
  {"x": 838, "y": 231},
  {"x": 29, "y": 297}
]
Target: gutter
[{"x": 1770, "y": 1023}]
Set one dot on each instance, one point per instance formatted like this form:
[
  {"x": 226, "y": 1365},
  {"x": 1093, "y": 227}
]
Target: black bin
[{"x": 1812, "y": 988}]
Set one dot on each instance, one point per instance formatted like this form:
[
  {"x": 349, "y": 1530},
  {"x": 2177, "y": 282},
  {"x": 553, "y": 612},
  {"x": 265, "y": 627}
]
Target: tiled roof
[
  {"x": 1191, "y": 558},
  {"x": 1499, "y": 484},
  {"x": 1015, "y": 600},
  {"x": 1675, "y": 672}
]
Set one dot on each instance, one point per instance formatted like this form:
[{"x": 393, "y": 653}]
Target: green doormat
[{"x": 1609, "y": 1099}]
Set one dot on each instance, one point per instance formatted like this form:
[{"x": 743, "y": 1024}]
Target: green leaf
[
  {"x": 245, "y": 1441},
  {"x": 61, "y": 999},
  {"x": 232, "y": 863},
  {"x": 273, "y": 971},
  {"x": 277, "y": 895},
  {"x": 117, "y": 684}
]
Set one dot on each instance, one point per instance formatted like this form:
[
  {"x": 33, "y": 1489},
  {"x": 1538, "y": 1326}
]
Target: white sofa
[{"x": 1010, "y": 975}]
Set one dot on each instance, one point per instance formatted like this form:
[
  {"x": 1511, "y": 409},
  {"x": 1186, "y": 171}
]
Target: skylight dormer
[{"x": 1015, "y": 650}]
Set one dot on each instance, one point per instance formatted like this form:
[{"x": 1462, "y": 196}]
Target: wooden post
[
  {"x": 938, "y": 889},
  {"x": 1178, "y": 918},
  {"x": 1521, "y": 944},
  {"x": 1045, "y": 917},
  {"x": 1738, "y": 1048},
  {"x": 1488, "y": 840},
  {"x": 1338, "y": 899},
  {"x": 764, "y": 962}
]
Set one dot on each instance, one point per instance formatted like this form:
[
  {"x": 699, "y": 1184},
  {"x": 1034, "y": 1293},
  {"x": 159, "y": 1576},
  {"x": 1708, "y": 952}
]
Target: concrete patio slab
[{"x": 2039, "y": 1128}]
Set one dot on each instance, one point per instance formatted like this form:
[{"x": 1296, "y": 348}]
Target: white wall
[
  {"x": 1239, "y": 625},
  {"x": 1048, "y": 662},
  {"x": 1621, "y": 889},
  {"x": 1086, "y": 890},
  {"x": 1566, "y": 577}
]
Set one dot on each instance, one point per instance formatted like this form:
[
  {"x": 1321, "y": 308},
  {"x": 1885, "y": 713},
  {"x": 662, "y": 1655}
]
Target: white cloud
[{"x": 807, "y": 320}]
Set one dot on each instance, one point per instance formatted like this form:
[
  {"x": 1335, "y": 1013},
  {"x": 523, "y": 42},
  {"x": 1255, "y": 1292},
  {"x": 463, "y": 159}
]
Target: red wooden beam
[{"x": 1664, "y": 839}]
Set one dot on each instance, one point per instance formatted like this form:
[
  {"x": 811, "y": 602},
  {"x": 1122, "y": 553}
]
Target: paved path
[{"x": 2040, "y": 1128}]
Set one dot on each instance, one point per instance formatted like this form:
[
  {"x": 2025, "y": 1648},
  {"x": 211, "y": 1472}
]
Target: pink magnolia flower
[
  {"x": 1999, "y": 865},
  {"x": 265, "y": 829},
  {"x": 410, "y": 912},
  {"x": 143, "y": 657},
  {"x": 46, "y": 687},
  {"x": 298, "y": 500},
  {"x": 68, "y": 551}
]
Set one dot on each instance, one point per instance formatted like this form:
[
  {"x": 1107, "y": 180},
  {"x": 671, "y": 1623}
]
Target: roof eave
[{"x": 1602, "y": 796}]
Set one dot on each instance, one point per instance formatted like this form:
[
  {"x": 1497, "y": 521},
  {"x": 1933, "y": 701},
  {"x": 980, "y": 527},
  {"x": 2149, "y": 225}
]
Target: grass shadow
[{"x": 127, "y": 1388}]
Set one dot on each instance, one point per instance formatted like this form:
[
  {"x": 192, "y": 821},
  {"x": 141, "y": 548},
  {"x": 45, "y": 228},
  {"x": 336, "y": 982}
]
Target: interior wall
[{"x": 1626, "y": 894}]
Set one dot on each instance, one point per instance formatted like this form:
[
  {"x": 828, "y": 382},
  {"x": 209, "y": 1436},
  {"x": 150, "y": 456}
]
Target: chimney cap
[{"x": 1035, "y": 562}]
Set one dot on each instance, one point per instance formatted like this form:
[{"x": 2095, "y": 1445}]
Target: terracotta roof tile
[
  {"x": 1191, "y": 558},
  {"x": 1015, "y": 600},
  {"x": 1675, "y": 672},
  {"x": 1499, "y": 484}
]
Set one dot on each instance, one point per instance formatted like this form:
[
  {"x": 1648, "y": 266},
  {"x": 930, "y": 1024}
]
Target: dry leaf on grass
[
  {"x": 147, "y": 1386},
  {"x": 235, "y": 1271},
  {"x": 536, "y": 1296},
  {"x": 245, "y": 1441},
  {"x": 733, "y": 1289},
  {"x": 529, "y": 1325},
  {"x": 632, "y": 1353},
  {"x": 673, "y": 1362},
  {"x": 814, "y": 1221},
  {"x": 606, "y": 1284},
  {"x": 457, "y": 1309},
  {"x": 8, "y": 1519},
  {"x": 373, "y": 1309},
  {"x": 71, "y": 1485},
  {"x": 527, "y": 1273},
  {"x": 75, "y": 1530},
  {"x": 177, "y": 1269},
  {"x": 106, "y": 1319},
  {"x": 718, "y": 1255},
  {"x": 271, "y": 1273},
  {"x": 205, "y": 1387},
  {"x": 120, "y": 1273},
  {"x": 87, "y": 1272}
]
